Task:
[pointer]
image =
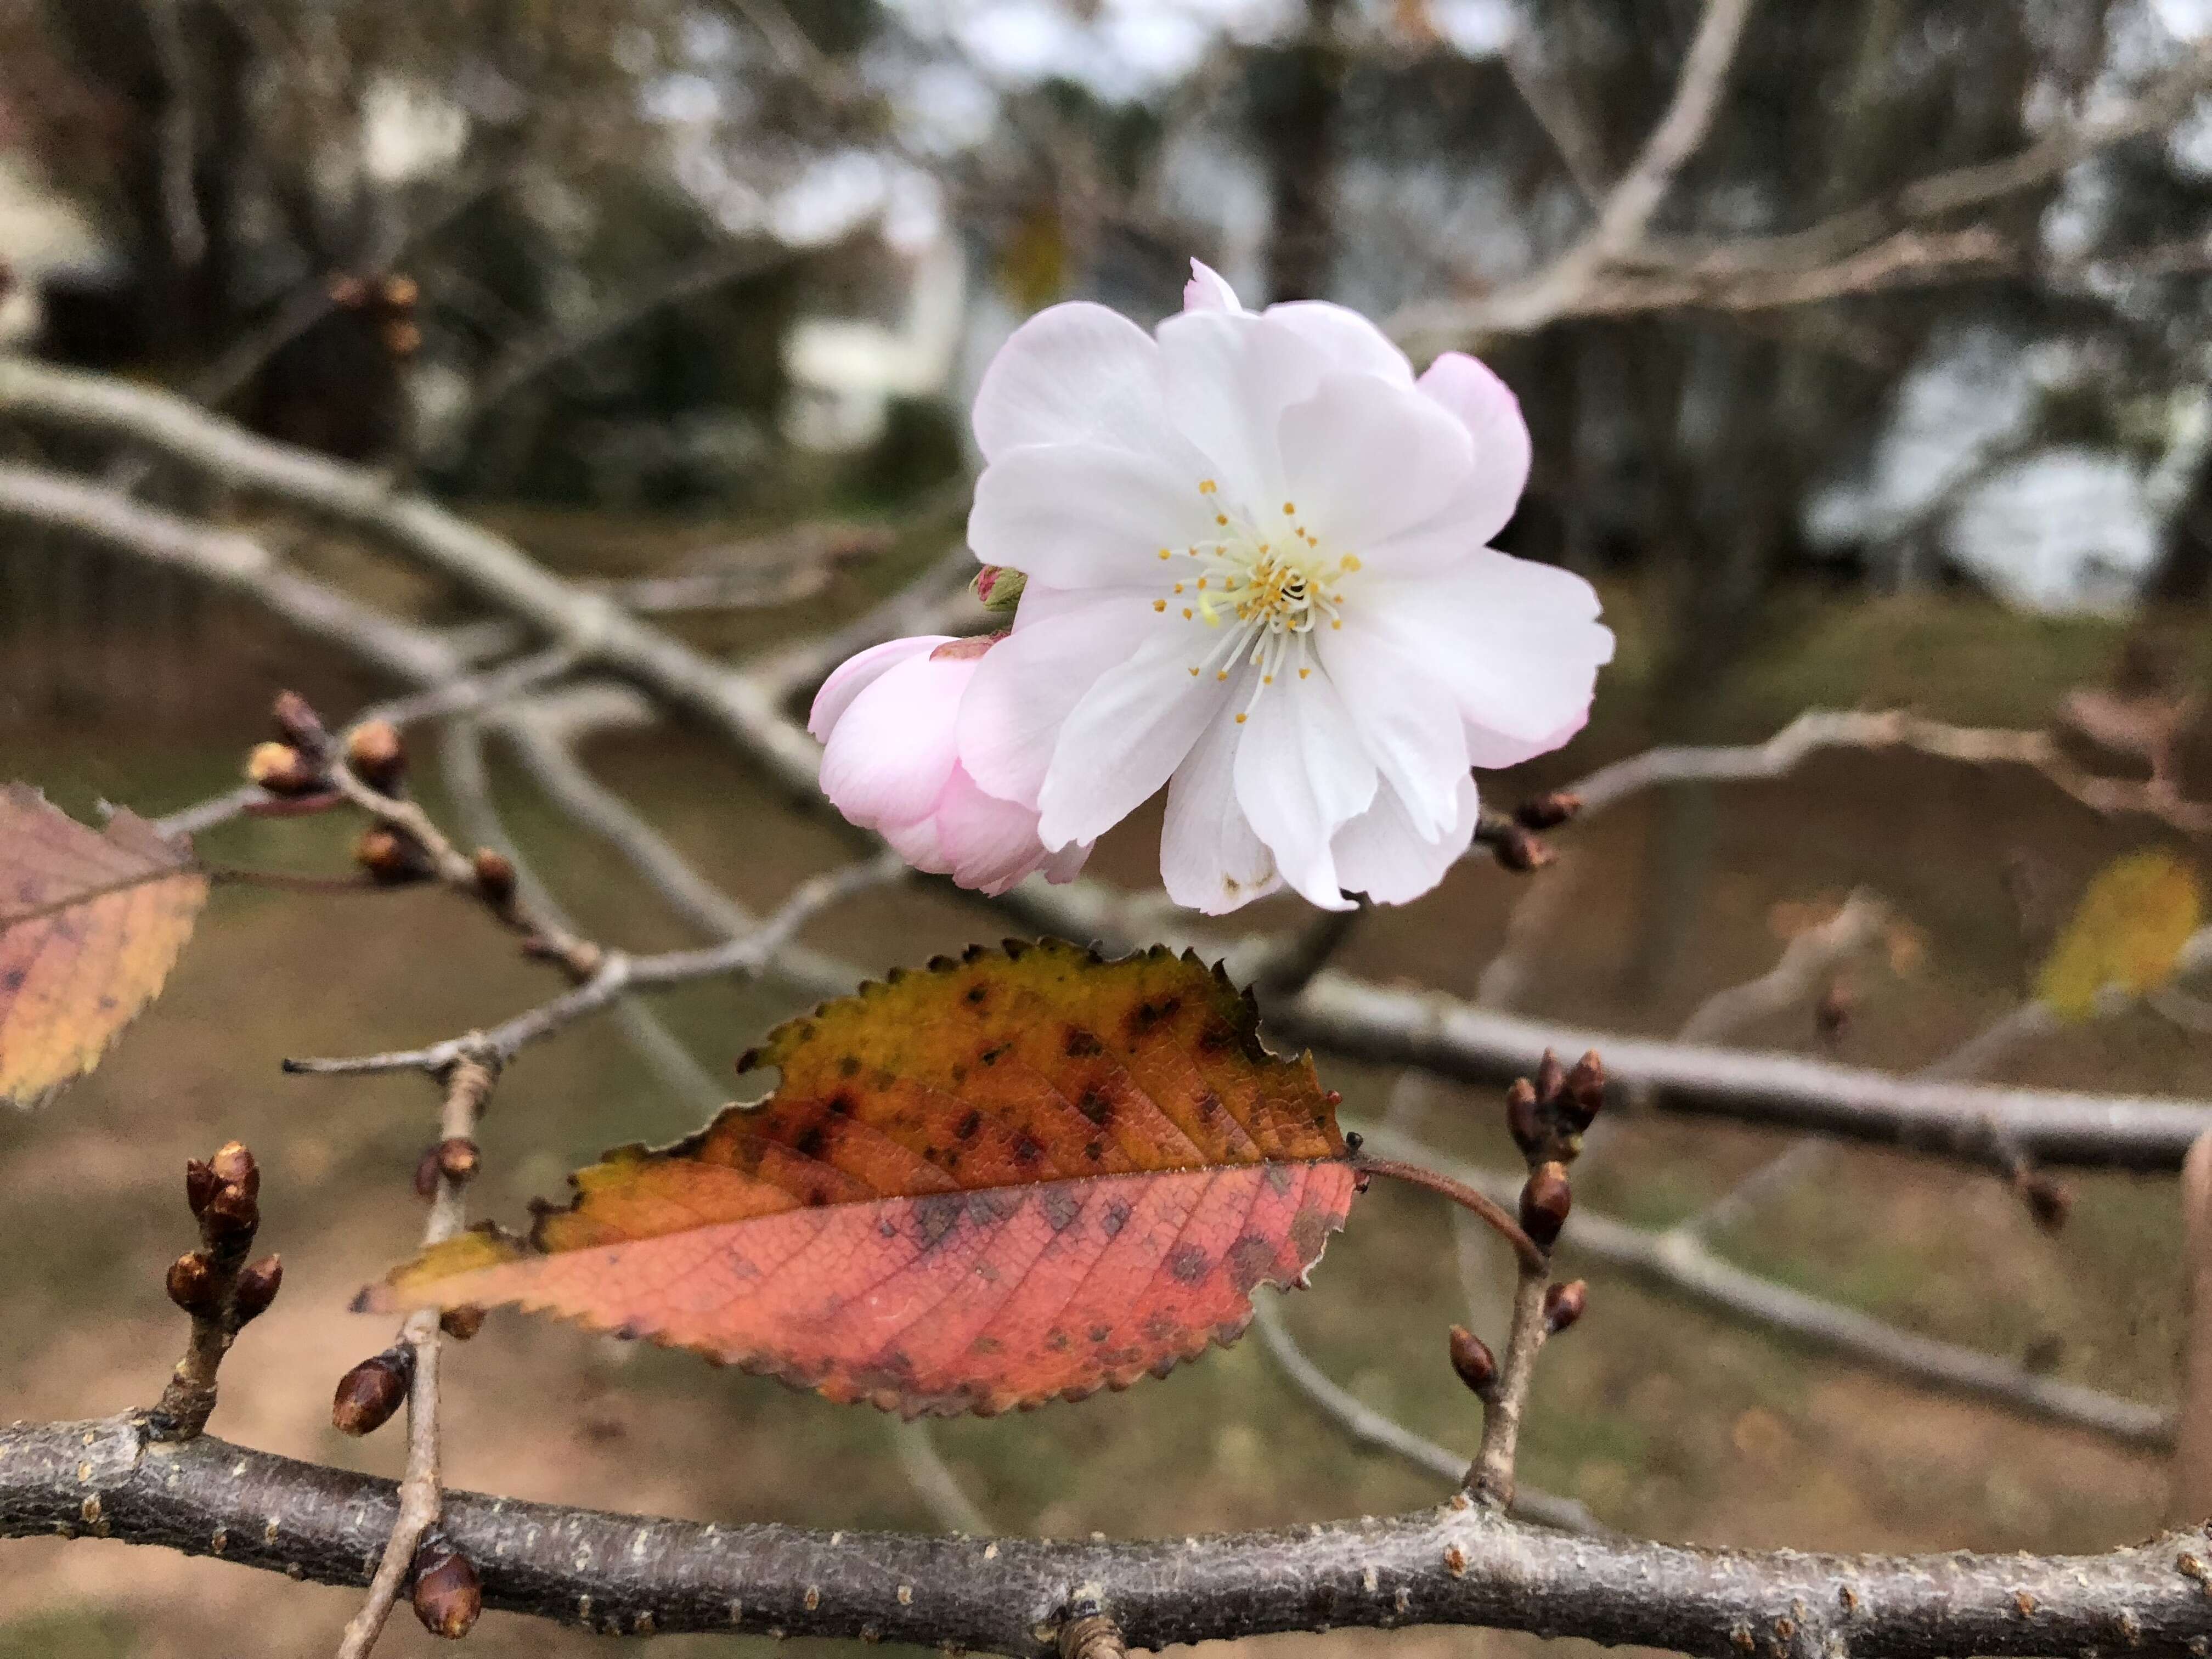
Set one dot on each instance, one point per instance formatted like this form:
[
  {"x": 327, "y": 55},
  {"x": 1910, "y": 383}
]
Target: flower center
[{"x": 1266, "y": 587}]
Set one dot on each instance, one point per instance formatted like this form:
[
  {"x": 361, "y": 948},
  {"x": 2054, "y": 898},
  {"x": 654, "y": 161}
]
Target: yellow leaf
[{"x": 2126, "y": 933}]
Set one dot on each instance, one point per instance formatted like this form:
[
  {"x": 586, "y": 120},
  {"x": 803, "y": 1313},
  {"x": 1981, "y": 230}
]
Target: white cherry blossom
[{"x": 1256, "y": 546}]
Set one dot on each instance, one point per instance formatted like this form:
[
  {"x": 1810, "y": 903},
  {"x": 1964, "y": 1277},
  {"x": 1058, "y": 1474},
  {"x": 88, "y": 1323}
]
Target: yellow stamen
[
  {"x": 1303, "y": 673},
  {"x": 1159, "y": 604},
  {"x": 1222, "y": 675},
  {"x": 1240, "y": 720},
  {"x": 1289, "y": 507},
  {"x": 1206, "y": 486}
]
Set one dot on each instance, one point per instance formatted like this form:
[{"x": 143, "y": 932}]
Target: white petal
[
  {"x": 1029, "y": 683},
  {"x": 1494, "y": 750},
  {"x": 1083, "y": 515},
  {"x": 1366, "y": 461},
  {"x": 1229, "y": 376},
  {"x": 1492, "y": 414},
  {"x": 1301, "y": 773},
  {"x": 1065, "y": 866},
  {"x": 1208, "y": 291},
  {"x": 1513, "y": 642},
  {"x": 857, "y": 673},
  {"x": 893, "y": 750},
  {"x": 1210, "y": 859},
  {"x": 1409, "y": 723},
  {"x": 1072, "y": 374},
  {"x": 1347, "y": 340},
  {"x": 1380, "y": 854},
  {"x": 1128, "y": 733}
]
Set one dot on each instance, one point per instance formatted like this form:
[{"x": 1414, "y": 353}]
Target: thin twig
[
  {"x": 1372, "y": 1428},
  {"x": 1468, "y": 1196},
  {"x": 1490, "y": 1478},
  {"x": 468, "y": 1086},
  {"x": 618, "y": 974}
]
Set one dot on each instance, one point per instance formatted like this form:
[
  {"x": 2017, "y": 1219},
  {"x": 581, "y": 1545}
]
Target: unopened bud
[
  {"x": 401, "y": 339},
  {"x": 201, "y": 1184},
  {"x": 447, "y": 1595},
  {"x": 998, "y": 588},
  {"x": 376, "y": 754},
  {"x": 1564, "y": 1304},
  {"x": 1551, "y": 1078},
  {"x": 461, "y": 1323},
  {"x": 426, "y": 1173},
  {"x": 348, "y": 293},
  {"x": 1472, "y": 1359},
  {"x": 390, "y": 857},
  {"x": 1545, "y": 1202},
  {"x": 1584, "y": 1092},
  {"x": 369, "y": 1392},
  {"x": 400, "y": 292},
  {"x": 230, "y": 1220},
  {"x": 1522, "y": 1118},
  {"x": 495, "y": 875},
  {"x": 1548, "y": 811},
  {"x": 1517, "y": 849},
  {"x": 192, "y": 1284},
  {"x": 235, "y": 1164},
  {"x": 2049, "y": 1201},
  {"x": 256, "y": 1289},
  {"x": 458, "y": 1158},
  {"x": 299, "y": 725},
  {"x": 283, "y": 770}
]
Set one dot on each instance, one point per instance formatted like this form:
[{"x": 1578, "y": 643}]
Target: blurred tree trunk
[{"x": 1297, "y": 97}]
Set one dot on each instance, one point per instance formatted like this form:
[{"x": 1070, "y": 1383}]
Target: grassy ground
[{"x": 1663, "y": 1419}]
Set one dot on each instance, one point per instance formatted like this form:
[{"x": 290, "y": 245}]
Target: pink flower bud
[{"x": 889, "y": 721}]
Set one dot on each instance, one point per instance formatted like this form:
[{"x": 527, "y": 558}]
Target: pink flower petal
[
  {"x": 1072, "y": 374},
  {"x": 1491, "y": 415},
  {"x": 856, "y": 674},
  {"x": 1208, "y": 291}
]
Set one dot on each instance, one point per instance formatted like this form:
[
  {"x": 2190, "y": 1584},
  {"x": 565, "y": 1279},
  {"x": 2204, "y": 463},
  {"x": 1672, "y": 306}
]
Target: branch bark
[{"x": 1456, "y": 1564}]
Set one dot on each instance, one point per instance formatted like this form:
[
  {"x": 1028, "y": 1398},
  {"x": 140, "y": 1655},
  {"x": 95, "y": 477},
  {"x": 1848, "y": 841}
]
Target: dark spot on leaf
[
  {"x": 1144, "y": 1017},
  {"x": 1055, "y": 1339},
  {"x": 1081, "y": 1045},
  {"x": 849, "y": 1066},
  {"x": 937, "y": 1215},
  {"x": 1100, "y": 1332},
  {"x": 816, "y": 1198},
  {"x": 990, "y": 1056},
  {"x": 1216, "y": 1038},
  {"x": 1028, "y": 1149},
  {"x": 1209, "y": 1104},
  {"x": 1309, "y": 1232},
  {"x": 1094, "y": 1150},
  {"x": 1279, "y": 1178},
  {"x": 841, "y": 1105},
  {"x": 810, "y": 1143},
  {"x": 977, "y": 995},
  {"x": 1095, "y": 1105},
  {"x": 1116, "y": 1216},
  {"x": 1062, "y": 1207},
  {"x": 987, "y": 1345},
  {"x": 1187, "y": 1263},
  {"x": 965, "y": 1129},
  {"x": 1249, "y": 1259}
]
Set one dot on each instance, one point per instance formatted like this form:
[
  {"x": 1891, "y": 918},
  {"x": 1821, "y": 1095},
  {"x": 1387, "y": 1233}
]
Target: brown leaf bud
[
  {"x": 1584, "y": 1094},
  {"x": 1549, "y": 811},
  {"x": 192, "y": 1284},
  {"x": 369, "y": 1392},
  {"x": 1523, "y": 1119},
  {"x": 1551, "y": 1078},
  {"x": 348, "y": 293},
  {"x": 447, "y": 1596},
  {"x": 299, "y": 725},
  {"x": 230, "y": 1220},
  {"x": 256, "y": 1289},
  {"x": 1564, "y": 1304},
  {"x": 461, "y": 1323},
  {"x": 1472, "y": 1359},
  {"x": 2049, "y": 1201},
  {"x": 233, "y": 1163},
  {"x": 376, "y": 754},
  {"x": 401, "y": 291},
  {"x": 283, "y": 770},
  {"x": 401, "y": 339},
  {"x": 426, "y": 1173},
  {"x": 1545, "y": 1202},
  {"x": 201, "y": 1184},
  {"x": 1517, "y": 850},
  {"x": 390, "y": 857},
  {"x": 458, "y": 1158},
  {"x": 495, "y": 875}
]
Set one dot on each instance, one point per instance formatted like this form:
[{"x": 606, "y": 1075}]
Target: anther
[{"x": 1159, "y": 604}]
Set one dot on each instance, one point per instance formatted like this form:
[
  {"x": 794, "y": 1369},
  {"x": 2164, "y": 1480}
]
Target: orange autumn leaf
[
  {"x": 90, "y": 925},
  {"x": 1020, "y": 1177}
]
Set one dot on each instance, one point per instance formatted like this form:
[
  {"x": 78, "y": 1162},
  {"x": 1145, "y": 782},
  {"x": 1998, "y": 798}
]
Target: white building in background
[
  {"x": 44, "y": 238},
  {"x": 846, "y": 371}
]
